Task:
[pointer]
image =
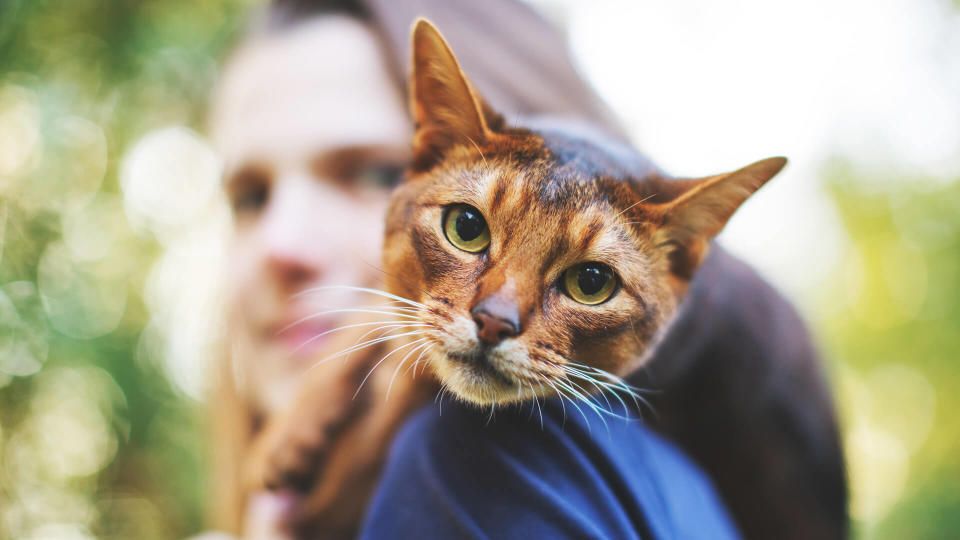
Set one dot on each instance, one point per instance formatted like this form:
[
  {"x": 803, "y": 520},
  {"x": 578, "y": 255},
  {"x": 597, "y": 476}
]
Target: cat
[{"x": 546, "y": 260}]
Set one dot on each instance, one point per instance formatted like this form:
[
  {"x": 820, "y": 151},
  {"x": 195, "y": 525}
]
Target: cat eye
[
  {"x": 466, "y": 229},
  {"x": 590, "y": 283}
]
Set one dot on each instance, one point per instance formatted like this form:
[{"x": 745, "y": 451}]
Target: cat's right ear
[
  {"x": 445, "y": 109},
  {"x": 699, "y": 213}
]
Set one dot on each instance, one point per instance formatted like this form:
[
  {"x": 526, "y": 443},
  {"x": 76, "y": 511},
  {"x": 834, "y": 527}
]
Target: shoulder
[
  {"x": 731, "y": 312},
  {"x": 507, "y": 476}
]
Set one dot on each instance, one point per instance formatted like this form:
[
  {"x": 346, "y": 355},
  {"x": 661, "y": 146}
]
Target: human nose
[{"x": 291, "y": 257}]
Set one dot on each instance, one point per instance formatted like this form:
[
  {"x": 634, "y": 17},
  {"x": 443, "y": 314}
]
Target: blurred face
[{"x": 315, "y": 134}]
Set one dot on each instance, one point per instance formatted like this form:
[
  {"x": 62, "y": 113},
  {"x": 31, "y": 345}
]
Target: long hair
[{"x": 518, "y": 60}]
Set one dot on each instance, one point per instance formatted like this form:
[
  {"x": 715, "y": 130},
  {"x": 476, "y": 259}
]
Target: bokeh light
[
  {"x": 94, "y": 444},
  {"x": 169, "y": 179},
  {"x": 83, "y": 299},
  {"x": 23, "y": 333},
  {"x": 19, "y": 132}
]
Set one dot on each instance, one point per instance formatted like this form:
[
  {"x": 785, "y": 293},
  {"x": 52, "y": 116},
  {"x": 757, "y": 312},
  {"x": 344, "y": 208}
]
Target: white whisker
[
  {"x": 382, "y": 326},
  {"x": 400, "y": 365},
  {"x": 602, "y": 386},
  {"x": 365, "y": 344},
  {"x": 439, "y": 399},
  {"x": 348, "y": 310},
  {"x": 417, "y": 361},
  {"x": 604, "y": 389},
  {"x": 590, "y": 398},
  {"x": 643, "y": 200},
  {"x": 356, "y": 325},
  {"x": 615, "y": 388},
  {"x": 563, "y": 407},
  {"x": 384, "y": 294},
  {"x": 389, "y": 328},
  {"x": 579, "y": 397},
  {"x": 573, "y": 402},
  {"x": 388, "y": 355}
]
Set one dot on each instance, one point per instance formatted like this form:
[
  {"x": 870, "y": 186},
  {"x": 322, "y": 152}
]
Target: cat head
[{"x": 539, "y": 263}]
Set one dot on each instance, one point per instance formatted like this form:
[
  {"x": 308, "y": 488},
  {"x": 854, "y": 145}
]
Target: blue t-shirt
[{"x": 456, "y": 472}]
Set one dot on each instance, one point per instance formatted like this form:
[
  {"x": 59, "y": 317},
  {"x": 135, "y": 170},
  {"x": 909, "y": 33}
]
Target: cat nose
[
  {"x": 496, "y": 320},
  {"x": 492, "y": 330}
]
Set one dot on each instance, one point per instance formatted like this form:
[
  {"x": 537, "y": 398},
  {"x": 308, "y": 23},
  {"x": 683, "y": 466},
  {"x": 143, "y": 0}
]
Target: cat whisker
[
  {"x": 581, "y": 398},
  {"x": 388, "y": 355},
  {"x": 410, "y": 317},
  {"x": 478, "y": 150},
  {"x": 641, "y": 201},
  {"x": 354, "y": 325},
  {"x": 563, "y": 407},
  {"x": 439, "y": 398},
  {"x": 616, "y": 389},
  {"x": 402, "y": 306},
  {"x": 609, "y": 376},
  {"x": 573, "y": 402},
  {"x": 606, "y": 386},
  {"x": 404, "y": 281},
  {"x": 624, "y": 211},
  {"x": 597, "y": 407},
  {"x": 385, "y": 324},
  {"x": 378, "y": 292},
  {"x": 386, "y": 305},
  {"x": 539, "y": 410},
  {"x": 587, "y": 399},
  {"x": 613, "y": 384},
  {"x": 600, "y": 390},
  {"x": 534, "y": 403},
  {"x": 400, "y": 365},
  {"x": 417, "y": 361},
  {"x": 426, "y": 324},
  {"x": 383, "y": 329},
  {"x": 364, "y": 345}
]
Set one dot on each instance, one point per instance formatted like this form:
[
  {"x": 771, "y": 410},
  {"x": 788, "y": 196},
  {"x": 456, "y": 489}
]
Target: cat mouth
[{"x": 479, "y": 365}]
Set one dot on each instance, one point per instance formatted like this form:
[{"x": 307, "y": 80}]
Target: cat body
[
  {"x": 551, "y": 260},
  {"x": 735, "y": 380},
  {"x": 742, "y": 391}
]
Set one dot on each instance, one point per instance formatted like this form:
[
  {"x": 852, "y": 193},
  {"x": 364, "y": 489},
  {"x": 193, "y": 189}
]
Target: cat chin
[{"x": 482, "y": 386}]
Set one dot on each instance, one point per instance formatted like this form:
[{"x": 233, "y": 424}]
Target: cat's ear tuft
[
  {"x": 699, "y": 213},
  {"x": 444, "y": 106}
]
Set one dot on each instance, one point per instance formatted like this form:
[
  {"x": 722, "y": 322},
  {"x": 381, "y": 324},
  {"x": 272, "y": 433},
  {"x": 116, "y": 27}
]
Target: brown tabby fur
[{"x": 551, "y": 200}]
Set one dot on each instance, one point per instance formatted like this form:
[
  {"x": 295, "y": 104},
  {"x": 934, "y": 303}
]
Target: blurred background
[{"x": 112, "y": 230}]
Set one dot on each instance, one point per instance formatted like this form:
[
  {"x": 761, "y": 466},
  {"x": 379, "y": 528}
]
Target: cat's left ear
[
  {"x": 698, "y": 214},
  {"x": 445, "y": 108}
]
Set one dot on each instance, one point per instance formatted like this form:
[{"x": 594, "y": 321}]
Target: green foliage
[
  {"x": 93, "y": 438},
  {"x": 893, "y": 325}
]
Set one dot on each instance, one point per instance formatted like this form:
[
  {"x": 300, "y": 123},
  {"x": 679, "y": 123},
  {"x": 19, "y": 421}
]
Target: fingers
[{"x": 268, "y": 516}]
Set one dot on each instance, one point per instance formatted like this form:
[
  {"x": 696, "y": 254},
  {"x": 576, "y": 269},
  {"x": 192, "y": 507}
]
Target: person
[{"x": 310, "y": 118}]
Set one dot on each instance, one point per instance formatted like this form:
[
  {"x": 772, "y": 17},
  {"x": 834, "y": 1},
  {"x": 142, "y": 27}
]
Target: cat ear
[
  {"x": 445, "y": 108},
  {"x": 699, "y": 213}
]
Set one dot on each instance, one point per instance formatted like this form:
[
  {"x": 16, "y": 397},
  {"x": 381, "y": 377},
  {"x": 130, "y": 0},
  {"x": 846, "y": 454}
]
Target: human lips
[{"x": 301, "y": 337}]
